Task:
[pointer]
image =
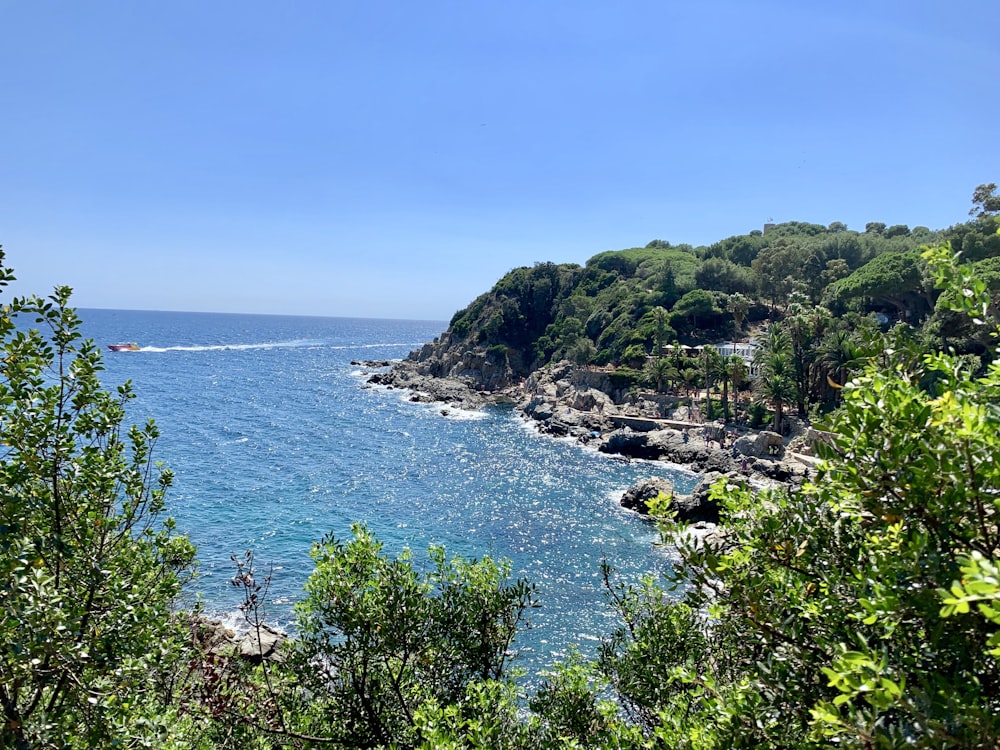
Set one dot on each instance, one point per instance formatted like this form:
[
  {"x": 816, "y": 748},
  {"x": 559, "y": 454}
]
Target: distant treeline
[{"x": 599, "y": 313}]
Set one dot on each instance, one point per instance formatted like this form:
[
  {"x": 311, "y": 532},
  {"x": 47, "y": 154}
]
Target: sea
[{"x": 276, "y": 441}]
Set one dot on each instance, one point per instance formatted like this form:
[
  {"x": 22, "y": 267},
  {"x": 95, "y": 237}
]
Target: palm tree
[
  {"x": 775, "y": 371},
  {"x": 805, "y": 325},
  {"x": 689, "y": 375},
  {"x": 660, "y": 318},
  {"x": 838, "y": 354},
  {"x": 773, "y": 340},
  {"x": 711, "y": 366},
  {"x": 739, "y": 305},
  {"x": 661, "y": 370},
  {"x": 777, "y": 385},
  {"x": 733, "y": 370}
]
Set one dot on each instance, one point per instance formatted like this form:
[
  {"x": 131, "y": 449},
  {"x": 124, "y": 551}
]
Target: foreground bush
[
  {"x": 90, "y": 569},
  {"x": 381, "y": 643},
  {"x": 841, "y": 612}
]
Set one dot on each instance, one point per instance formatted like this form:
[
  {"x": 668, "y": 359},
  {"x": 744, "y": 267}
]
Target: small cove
[{"x": 276, "y": 441}]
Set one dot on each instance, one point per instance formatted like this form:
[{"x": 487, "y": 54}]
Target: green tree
[
  {"x": 379, "y": 642},
  {"x": 778, "y": 266},
  {"x": 662, "y": 371},
  {"x": 583, "y": 352},
  {"x": 985, "y": 201},
  {"x": 711, "y": 368},
  {"x": 860, "y": 610},
  {"x": 739, "y": 305},
  {"x": 849, "y": 247},
  {"x": 661, "y": 330},
  {"x": 723, "y": 275},
  {"x": 732, "y": 371},
  {"x": 775, "y": 381},
  {"x": 896, "y": 278},
  {"x": 836, "y": 269},
  {"x": 696, "y": 305},
  {"x": 838, "y": 355},
  {"x": 805, "y": 325},
  {"x": 90, "y": 567},
  {"x": 634, "y": 356},
  {"x": 690, "y": 376}
]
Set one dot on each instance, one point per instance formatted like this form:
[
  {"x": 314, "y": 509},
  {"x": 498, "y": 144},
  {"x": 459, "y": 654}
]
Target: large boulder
[
  {"x": 693, "y": 508},
  {"x": 591, "y": 399},
  {"x": 260, "y": 644},
  {"x": 625, "y": 442},
  {"x": 654, "y": 444},
  {"x": 760, "y": 445},
  {"x": 698, "y": 506},
  {"x": 539, "y": 408},
  {"x": 780, "y": 471},
  {"x": 213, "y": 637},
  {"x": 638, "y": 496},
  {"x": 670, "y": 445}
]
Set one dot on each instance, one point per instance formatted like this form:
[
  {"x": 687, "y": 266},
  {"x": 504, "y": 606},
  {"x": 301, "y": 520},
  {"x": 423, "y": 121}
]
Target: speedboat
[{"x": 130, "y": 347}]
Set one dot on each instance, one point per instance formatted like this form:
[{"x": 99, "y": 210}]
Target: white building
[{"x": 742, "y": 349}]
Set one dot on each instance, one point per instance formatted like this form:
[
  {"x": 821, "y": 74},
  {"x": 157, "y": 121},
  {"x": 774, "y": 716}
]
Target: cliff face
[
  {"x": 452, "y": 372},
  {"x": 480, "y": 368}
]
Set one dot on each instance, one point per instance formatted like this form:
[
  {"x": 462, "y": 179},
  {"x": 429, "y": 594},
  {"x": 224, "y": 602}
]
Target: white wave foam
[
  {"x": 295, "y": 344},
  {"x": 405, "y": 395},
  {"x": 377, "y": 346},
  {"x": 299, "y": 343},
  {"x": 450, "y": 412},
  {"x": 235, "y": 619}
]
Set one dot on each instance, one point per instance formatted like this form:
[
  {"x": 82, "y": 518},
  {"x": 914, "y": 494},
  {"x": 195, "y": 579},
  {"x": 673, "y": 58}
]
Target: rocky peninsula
[{"x": 584, "y": 403}]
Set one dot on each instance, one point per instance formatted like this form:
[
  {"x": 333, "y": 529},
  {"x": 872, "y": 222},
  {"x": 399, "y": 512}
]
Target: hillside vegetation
[
  {"x": 859, "y": 610},
  {"x": 617, "y": 306}
]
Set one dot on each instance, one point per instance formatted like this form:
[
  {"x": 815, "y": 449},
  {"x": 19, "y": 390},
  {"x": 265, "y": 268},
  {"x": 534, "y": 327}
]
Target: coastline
[{"x": 564, "y": 401}]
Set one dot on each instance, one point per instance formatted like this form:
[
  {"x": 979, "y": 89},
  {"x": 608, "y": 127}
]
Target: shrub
[{"x": 89, "y": 564}]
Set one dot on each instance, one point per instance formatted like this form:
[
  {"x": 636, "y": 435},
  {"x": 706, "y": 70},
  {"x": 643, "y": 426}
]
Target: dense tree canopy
[{"x": 596, "y": 312}]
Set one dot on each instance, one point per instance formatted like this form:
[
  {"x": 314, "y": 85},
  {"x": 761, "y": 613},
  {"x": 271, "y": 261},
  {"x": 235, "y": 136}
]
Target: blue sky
[{"x": 394, "y": 159}]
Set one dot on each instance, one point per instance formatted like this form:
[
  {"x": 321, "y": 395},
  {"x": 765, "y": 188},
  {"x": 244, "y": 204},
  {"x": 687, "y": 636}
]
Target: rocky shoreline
[{"x": 564, "y": 400}]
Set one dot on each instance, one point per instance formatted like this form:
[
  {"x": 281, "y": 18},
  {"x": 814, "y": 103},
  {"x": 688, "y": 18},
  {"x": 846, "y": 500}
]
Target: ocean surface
[{"x": 276, "y": 441}]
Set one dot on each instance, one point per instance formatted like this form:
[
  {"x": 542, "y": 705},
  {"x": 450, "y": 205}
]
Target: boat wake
[
  {"x": 297, "y": 344},
  {"x": 232, "y": 347}
]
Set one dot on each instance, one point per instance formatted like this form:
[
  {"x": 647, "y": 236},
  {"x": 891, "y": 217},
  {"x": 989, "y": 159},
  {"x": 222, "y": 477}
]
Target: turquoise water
[{"x": 276, "y": 440}]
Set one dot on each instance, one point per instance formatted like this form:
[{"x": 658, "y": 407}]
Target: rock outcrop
[
  {"x": 759, "y": 445},
  {"x": 696, "y": 453},
  {"x": 454, "y": 373},
  {"x": 637, "y": 497},
  {"x": 693, "y": 508},
  {"x": 261, "y": 645},
  {"x": 214, "y": 638}
]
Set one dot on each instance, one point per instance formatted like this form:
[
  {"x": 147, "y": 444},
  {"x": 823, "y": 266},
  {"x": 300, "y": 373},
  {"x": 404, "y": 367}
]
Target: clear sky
[{"x": 394, "y": 159}]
